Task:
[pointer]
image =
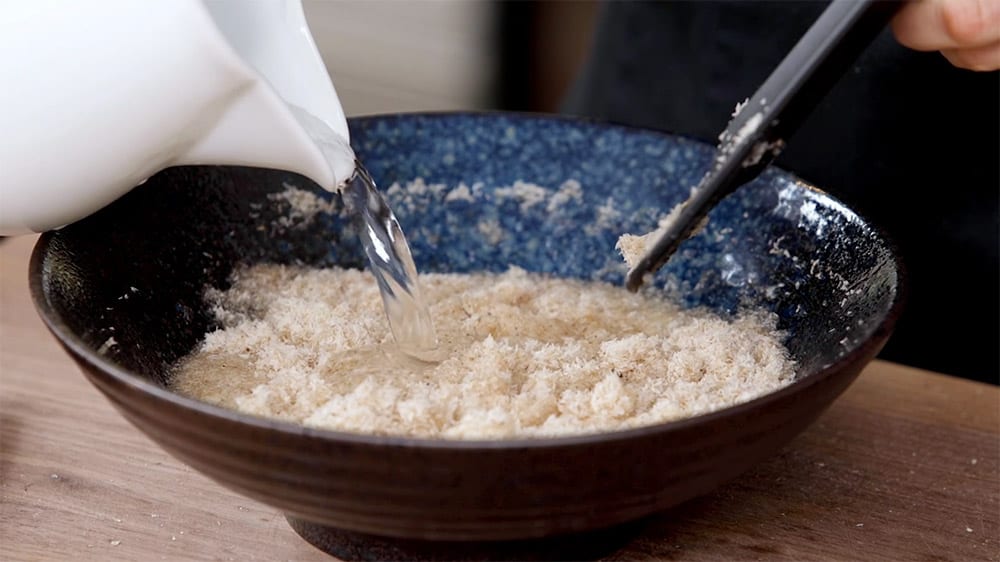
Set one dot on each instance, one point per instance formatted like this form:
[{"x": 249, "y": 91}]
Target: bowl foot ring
[{"x": 353, "y": 546}]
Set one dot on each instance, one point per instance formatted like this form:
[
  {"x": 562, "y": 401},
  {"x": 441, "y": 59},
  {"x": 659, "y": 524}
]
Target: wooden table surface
[{"x": 904, "y": 466}]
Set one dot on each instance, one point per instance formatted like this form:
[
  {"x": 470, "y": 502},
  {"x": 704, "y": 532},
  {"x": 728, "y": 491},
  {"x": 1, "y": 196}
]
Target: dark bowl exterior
[
  {"x": 474, "y": 491},
  {"x": 401, "y": 487}
]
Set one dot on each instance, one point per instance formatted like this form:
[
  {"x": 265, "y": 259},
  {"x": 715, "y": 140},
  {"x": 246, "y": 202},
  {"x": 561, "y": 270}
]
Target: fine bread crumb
[
  {"x": 107, "y": 345},
  {"x": 632, "y": 247},
  {"x": 527, "y": 356},
  {"x": 303, "y": 206}
]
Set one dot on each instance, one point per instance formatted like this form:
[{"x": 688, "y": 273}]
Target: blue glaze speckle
[{"x": 477, "y": 192}]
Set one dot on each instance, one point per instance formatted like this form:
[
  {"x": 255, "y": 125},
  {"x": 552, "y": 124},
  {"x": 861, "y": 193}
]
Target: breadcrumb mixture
[{"x": 526, "y": 356}]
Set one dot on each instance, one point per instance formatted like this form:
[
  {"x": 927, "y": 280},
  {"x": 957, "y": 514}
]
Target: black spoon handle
[{"x": 757, "y": 132}]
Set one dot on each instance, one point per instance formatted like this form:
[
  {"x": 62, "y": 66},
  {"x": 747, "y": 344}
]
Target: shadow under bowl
[{"x": 137, "y": 271}]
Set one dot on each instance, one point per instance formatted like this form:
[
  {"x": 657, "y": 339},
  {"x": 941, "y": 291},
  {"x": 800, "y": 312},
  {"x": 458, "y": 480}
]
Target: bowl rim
[{"x": 871, "y": 344}]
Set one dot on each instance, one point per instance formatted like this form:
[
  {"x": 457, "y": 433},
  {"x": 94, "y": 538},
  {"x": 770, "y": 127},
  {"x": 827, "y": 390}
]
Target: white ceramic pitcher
[{"x": 95, "y": 97}]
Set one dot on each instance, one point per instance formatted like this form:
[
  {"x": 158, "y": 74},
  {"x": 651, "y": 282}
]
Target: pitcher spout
[
  {"x": 282, "y": 120},
  {"x": 128, "y": 88},
  {"x": 258, "y": 129}
]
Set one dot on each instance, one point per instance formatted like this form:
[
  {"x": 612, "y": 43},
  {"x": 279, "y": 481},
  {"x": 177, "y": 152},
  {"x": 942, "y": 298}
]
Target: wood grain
[{"x": 905, "y": 466}]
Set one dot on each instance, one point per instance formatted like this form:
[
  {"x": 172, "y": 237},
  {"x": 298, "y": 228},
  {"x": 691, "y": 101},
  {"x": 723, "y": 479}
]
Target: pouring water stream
[{"x": 385, "y": 245}]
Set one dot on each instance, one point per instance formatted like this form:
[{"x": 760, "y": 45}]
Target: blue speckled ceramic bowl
[{"x": 546, "y": 194}]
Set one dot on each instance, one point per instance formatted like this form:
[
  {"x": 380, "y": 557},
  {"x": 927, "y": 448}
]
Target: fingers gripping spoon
[{"x": 757, "y": 132}]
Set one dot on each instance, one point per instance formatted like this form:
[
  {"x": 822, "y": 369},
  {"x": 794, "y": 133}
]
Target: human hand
[{"x": 967, "y": 32}]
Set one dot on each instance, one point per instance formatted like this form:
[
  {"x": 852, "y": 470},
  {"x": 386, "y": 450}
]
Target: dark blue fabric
[{"x": 905, "y": 139}]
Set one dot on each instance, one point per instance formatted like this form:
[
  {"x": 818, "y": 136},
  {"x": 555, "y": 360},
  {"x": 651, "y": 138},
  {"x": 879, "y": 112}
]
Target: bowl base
[{"x": 352, "y": 546}]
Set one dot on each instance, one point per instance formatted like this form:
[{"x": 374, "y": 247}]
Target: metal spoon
[{"x": 757, "y": 132}]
